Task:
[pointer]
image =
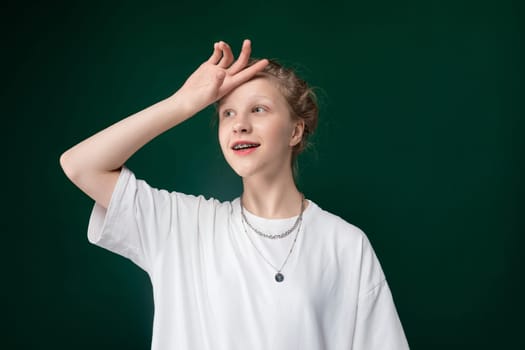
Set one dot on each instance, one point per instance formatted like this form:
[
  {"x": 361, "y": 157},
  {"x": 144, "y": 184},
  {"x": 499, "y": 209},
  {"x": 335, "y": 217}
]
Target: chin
[
  {"x": 244, "y": 172},
  {"x": 240, "y": 168}
]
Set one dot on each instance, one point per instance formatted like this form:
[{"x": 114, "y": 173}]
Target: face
[{"x": 256, "y": 130}]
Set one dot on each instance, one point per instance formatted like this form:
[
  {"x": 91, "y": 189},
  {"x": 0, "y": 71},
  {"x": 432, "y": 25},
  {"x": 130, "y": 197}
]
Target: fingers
[
  {"x": 244, "y": 56},
  {"x": 227, "y": 55},
  {"x": 233, "y": 75},
  {"x": 216, "y": 55},
  {"x": 248, "y": 73},
  {"x": 222, "y": 55}
]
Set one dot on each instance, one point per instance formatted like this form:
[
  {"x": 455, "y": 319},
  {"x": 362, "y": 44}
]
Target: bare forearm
[
  {"x": 110, "y": 148},
  {"x": 94, "y": 164}
]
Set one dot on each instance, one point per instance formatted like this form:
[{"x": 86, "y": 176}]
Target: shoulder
[
  {"x": 329, "y": 223},
  {"x": 349, "y": 244},
  {"x": 140, "y": 190},
  {"x": 330, "y": 232}
]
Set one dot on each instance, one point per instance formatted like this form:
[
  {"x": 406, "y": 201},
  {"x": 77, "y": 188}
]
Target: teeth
[{"x": 244, "y": 145}]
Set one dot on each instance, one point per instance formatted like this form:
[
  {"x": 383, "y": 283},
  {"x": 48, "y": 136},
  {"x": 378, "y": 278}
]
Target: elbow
[{"x": 67, "y": 166}]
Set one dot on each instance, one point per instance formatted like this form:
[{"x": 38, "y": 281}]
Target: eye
[
  {"x": 227, "y": 113},
  {"x": 258, "y": 109}
]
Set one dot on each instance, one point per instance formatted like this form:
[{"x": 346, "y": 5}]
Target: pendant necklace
[{"x": 279, "y": 277}]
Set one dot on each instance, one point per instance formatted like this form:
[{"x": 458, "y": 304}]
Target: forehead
[{"x": 259, "y": 87}]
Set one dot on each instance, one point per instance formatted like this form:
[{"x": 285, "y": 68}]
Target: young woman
[{"x": 268, "y": 270}]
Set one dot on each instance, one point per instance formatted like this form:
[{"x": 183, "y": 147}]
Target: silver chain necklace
[
  {"x": 279, "y": 277},
  {"x": 280, "y": 235}
]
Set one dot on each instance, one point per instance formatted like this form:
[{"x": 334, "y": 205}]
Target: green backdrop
[{"x": 420, "y": 144}]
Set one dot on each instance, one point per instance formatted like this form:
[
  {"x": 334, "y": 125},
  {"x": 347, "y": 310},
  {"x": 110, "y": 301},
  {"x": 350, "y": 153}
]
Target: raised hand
[
  {"x": 218, "y": 76},
  {"x": 94, "y": 164}
]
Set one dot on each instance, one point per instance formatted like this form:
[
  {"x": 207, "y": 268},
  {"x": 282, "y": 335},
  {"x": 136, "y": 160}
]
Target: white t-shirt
[{"x": 214, "y": 290}]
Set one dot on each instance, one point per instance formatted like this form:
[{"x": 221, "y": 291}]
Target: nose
[{"x": 242, "y": 125}]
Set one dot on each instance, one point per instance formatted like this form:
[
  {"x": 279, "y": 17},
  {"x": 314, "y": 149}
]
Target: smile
[
  {"x": 241, "y": 146},
  {"x": 244, "y": 147}
]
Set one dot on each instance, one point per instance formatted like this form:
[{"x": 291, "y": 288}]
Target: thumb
[{"x": 220, "y": 76}]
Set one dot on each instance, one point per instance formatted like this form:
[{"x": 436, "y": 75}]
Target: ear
[{"x": 297, "y": 133}]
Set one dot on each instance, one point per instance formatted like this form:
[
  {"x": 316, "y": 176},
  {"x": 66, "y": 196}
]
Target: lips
[{"x": 244, "y": 147}]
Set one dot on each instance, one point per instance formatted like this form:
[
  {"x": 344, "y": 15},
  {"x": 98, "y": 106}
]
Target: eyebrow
[{"x": 253, "y": 97}]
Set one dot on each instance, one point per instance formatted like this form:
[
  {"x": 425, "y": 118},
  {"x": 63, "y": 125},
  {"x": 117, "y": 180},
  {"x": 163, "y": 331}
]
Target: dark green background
[{"x": 420, "y": 144}]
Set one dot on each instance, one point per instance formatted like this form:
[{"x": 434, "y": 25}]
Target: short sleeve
[
  {"x": 377, "y": 323},
  {"x": 136, "y": 222}
]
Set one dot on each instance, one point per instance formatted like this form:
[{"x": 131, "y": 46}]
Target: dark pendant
[{"x": 279, "y": 277}]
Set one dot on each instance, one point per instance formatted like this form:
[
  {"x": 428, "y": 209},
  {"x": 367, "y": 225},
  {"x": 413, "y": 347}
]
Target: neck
[{"x": 272, "y": 198}]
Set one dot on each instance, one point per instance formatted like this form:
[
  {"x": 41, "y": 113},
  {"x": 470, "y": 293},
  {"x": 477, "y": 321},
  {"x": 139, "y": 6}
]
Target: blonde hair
[{"x": 301, "y": 99}]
